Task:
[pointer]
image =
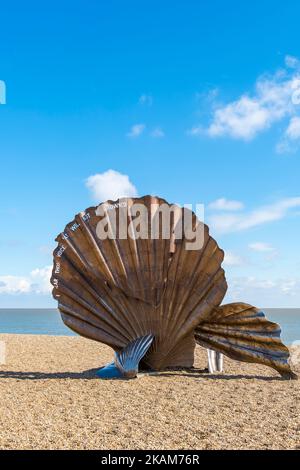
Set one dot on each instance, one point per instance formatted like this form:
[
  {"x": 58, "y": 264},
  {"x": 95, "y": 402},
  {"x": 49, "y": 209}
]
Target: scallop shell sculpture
[{"x": 117, "y": 290}]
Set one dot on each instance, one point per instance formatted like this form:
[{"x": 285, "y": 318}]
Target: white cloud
[
  {"x": 275, "y": 98},
  {"x": 136, "y": 130},
  {"x": 224, "y": 204},
  {"x": 157, "y": 133},
  {"x": 264, "y": 292},
  {"x": 261, "y": 247},
  {"x": 196, "y": 131},
  {"x": 242, "y": 119},
  {"x": 37, "y": 282},
  {"x": 293, "y": 130},
  {"x": 269, "y": 252},
  {"x": 110, "y": 185},
  {"x": 40, "y": 278},
  {"x": 232, "y": 259},
  {"x": 291, "y": 139},
  {"x": 225, "y": 223},
  {"x": 14, "y": 285}
]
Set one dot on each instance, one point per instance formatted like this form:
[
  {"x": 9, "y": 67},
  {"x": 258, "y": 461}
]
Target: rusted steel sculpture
[
  {"x": 126, "y": 362},
  {"x": 149, "y": 293},
  {"x": 243, "y": 333}
]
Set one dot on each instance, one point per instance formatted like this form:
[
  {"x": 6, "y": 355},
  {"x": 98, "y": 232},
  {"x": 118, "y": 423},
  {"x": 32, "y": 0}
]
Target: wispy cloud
[
  {"x": 224, "y": 204},
  {"x": 232, "y": 259},
  {"x": 292, "y": 62},
  {"x": 2, "y": 92},
  {"x": 275, "y": 98},
  {"x": 37, "y": 282},
  {"x": 208, "y": 96},
  {"x": 261, "y": 247},
  {"x": 196, "y": 131},
  {"x": 136, "y": 130},
  {"x": 110, "y": 185},
  {"x": 293, "y": 130},
  {"x": 232, "y": 222},
  {"x": 266, "y": 249},
  {"x": 145, "y": 99},
  {"x": 46, "y": 249},
  {"x": 157, "y": 133},
  {"x": 264, "y": 292},
  {"x": 291, "y": 138}
]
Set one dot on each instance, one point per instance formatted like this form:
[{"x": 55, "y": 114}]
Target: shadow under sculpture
[{"x": 152, "y": 299}]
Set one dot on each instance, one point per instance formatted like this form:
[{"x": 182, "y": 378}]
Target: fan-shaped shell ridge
[{"x": 115, "y": 290}]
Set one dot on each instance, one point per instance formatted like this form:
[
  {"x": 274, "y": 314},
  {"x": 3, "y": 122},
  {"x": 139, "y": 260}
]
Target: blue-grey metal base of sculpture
[
  {"x": 127, "y": 361},
  {"x": 110, "y": 371}
]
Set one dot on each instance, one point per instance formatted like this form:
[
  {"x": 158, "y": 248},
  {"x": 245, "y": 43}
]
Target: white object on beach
[
  {"x": 215, "y": 361},
  {"x": 2, "y": 353}
]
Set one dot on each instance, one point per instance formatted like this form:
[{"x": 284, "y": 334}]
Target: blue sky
[{"x": 195, "y": 101}]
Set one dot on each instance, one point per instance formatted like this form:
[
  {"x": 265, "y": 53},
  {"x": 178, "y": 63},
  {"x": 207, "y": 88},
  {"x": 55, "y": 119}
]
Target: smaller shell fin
[
  {"x": 127, "y": 361},
  {"x": 242, "y": 332}
]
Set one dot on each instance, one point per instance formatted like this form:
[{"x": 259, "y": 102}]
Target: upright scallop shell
[{"x": 117, "y": 290}]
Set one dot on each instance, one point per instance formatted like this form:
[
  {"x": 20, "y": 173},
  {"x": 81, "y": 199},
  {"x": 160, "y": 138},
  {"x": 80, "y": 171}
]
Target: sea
[{"x": 49, "y": 322}]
